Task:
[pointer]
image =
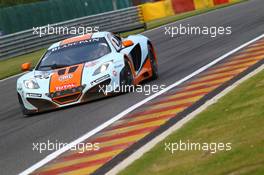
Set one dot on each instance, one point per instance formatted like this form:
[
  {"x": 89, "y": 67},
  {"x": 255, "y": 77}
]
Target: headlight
[
  {"x": 31, "y": 84},
  {"x": 102, "y": 68}
]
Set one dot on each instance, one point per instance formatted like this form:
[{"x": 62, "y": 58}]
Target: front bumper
[{"x": 49, "y": 101}]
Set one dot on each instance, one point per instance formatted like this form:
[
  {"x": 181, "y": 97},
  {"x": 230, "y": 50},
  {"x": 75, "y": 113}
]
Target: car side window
[{"x": 116, "y": 40}]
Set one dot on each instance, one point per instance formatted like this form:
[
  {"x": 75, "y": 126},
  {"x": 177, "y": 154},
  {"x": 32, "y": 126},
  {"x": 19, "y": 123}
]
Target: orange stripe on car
[{"x": 67, "y": 80}]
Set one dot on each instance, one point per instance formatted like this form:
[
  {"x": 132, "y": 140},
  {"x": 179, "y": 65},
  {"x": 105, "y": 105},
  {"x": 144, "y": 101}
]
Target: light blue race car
[{"x": 85, "y": 68}]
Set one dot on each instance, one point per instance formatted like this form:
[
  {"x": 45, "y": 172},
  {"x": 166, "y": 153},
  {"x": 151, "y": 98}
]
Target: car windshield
[{"x": 74, "y": 53}]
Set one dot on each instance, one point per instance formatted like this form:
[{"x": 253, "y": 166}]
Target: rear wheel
[{"x": 153, "y": 62}]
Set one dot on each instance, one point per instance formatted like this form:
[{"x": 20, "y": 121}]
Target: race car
[{"x": 85, "y": 68}]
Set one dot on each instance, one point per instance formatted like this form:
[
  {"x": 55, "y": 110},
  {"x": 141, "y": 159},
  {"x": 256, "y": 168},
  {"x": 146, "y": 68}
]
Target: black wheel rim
[
  {"x": 127, "y": 76},
  {"x": 152, "y": 61}
]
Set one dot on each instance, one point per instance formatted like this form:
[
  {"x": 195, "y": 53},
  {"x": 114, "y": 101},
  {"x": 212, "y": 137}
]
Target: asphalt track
[{"x": 178, "y": 57}]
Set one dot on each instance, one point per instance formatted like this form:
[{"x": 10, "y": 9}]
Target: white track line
[
  {"x": 14, "y": 76},
  {"x": 125, "y": 112}
]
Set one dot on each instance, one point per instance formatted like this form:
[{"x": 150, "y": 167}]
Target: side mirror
[
  {"x": 25, "y": 67},
  {"x": 127, "y": 43}
]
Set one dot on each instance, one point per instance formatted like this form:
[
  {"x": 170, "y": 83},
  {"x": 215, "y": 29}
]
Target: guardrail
[{"x": 115, "y": 21}]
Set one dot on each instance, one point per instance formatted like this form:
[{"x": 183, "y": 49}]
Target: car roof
[{"x": 79, "y": 38}]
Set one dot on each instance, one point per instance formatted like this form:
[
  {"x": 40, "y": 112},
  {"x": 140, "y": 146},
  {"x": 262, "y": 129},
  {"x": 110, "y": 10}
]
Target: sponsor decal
[
  {"x": 71, "y": 44},
  {"x": 65, "y": 77},
  {"x": 70, "y": 80},
  {"x": 99, "y": 80},
  {"x": 33, "y": 95},
  {"x": 44, "y": 75},
  {"x": 91, "y": 63},
  {"x": 118, "y": 66},
  {"x": 114, "y": 73},
  {"x": 66, "y": 86}
]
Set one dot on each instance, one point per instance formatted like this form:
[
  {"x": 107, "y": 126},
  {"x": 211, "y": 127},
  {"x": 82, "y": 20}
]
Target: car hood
[{"x": 60, "y": 79}]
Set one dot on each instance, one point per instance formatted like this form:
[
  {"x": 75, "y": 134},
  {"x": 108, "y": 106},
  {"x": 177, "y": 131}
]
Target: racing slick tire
[
  {"x": 126, "y": 77},
  {"x": 25, "y": 111},
  {"x": 153, "y": 62}
]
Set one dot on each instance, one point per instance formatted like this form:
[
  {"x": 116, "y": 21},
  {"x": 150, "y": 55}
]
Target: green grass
[
  {"x": 237, "y": 118},
  {"x": 11, "y": 66}
]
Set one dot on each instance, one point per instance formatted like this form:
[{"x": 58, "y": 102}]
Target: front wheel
[
  {"x": 153, "y": 62},
  {"x": 25, "y": 111},
  {"x": 126, "y": 77}
]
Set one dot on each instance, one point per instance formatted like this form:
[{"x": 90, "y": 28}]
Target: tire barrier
[
  {"x": 165, "y": 8},
  {"x": 201, "y": 4},
  {"x": 218, "y": 2},
  {"x": 154, "y": 11},
  {"x": 180, "y": 6},
  {"x": 26, "y": 41}
]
